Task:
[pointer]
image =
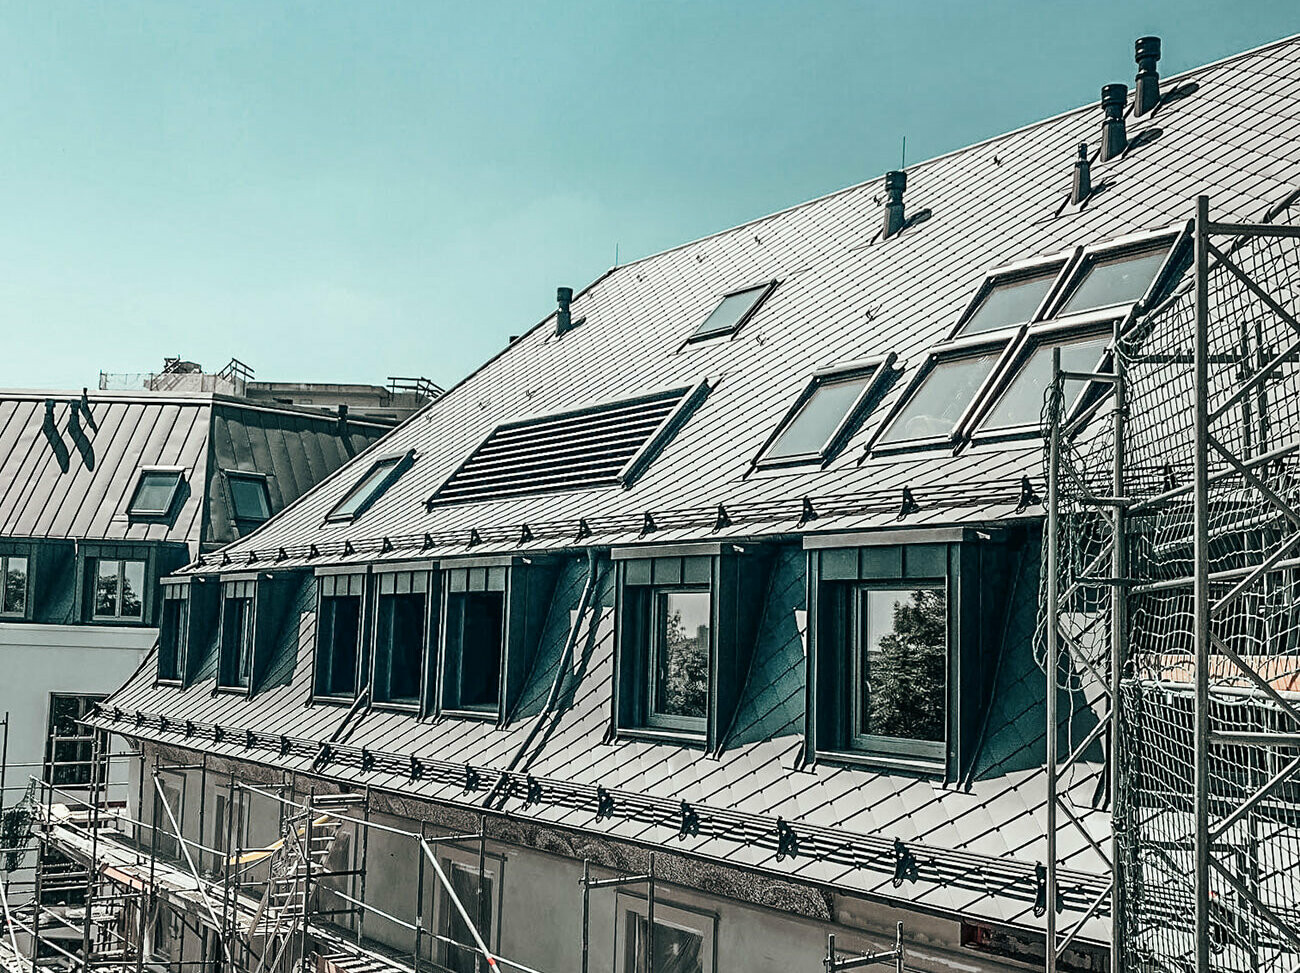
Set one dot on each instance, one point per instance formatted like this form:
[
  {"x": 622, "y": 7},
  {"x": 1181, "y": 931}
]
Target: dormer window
[
  {"x": 238, "y": 633},
  {"x": 155, "y": 492},
  {"x": 402, "y": 610},
  {"x": 1106, "y": 278},
  {"x": 173, "y": 631},
  {"x": 340, "y": 660},
  {"x": 733, "y": 311},
  {"x": 382, "y": 473},
  {"x": 825, "y": 414}
]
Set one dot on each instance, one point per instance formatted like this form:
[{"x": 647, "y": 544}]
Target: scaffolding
[{"x": 1172, "y": 594}]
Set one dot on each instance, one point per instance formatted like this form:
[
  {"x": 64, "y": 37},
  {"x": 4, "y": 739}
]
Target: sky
[{"x": 348, "y": 191}]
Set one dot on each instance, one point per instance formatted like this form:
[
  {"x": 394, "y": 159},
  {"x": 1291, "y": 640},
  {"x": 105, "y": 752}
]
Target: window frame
[
  {"x": 478, "y": 579},
  {"x": 174, "y": 590},
  {"x": 92, "y": 561},
  {"x": 25, "y": 553},
  {"x": 875, "y": 370},
  {"x": 48, "y": 769},
  {"x": 244, "y": 587},
  {"x": 153, "y": 513},
  {"x": 494, "y": 866},
  {"x": 250, "y": 476},
  {"x": 765, "y": 288},
  {"x": 428, "y": 570},
  {"x": 1060, "y": 266},
  {"x": 327, "y": 580},
  {"x": 401, "y": 462},
  {"x": 656, "y": 635},
  {"x": 703, "y": 923},
  {"x": 1177, "y": 238}
]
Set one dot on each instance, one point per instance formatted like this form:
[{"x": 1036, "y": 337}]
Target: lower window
[
  {"x": 678, "y": 686},
  {"x": 173, "y": 632},
  {"x": 69, "y": 746},
  {"x": 456, "y": 949},
  {"x": 118, "y": 589},
  {"x": 682, "y": 941}
]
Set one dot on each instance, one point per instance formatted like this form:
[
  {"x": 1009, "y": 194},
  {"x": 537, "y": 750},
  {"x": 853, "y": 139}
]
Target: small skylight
[
  {"x": 820, "y": 418},
  {"x": 248, "y": 496},
  {"x": 1009, "y": 301},
  {"x": 733, "y": 311},
  {"x": 1022, "y": 403},
  {"x": 1120, "y": 279},
  {"x": 155, "y": 492},
  {"x": 939, "y": 402},
  {"x": 369, "y": 488}
]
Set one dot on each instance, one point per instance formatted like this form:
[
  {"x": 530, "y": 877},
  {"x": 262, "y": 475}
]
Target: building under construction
[{"x": 772, "y": 605}]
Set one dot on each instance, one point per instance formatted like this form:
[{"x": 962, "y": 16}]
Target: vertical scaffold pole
[
  {"x": 1201, "y": 587},
  {"x": 419, "y": 904},
  {"x": 482, "y": 895},
  {"x": 650, "y": 916},
  {"x": 586, "y": 907},
  {"x": 92, "y": 866},
  {"x": 1051, "y": 661},
  {"x": 1118, "y": 658}
]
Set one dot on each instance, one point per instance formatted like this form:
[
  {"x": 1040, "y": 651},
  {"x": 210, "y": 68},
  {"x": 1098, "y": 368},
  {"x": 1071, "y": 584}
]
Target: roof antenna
[
  {"x": 903, "y": 162},
  {"x": 615, "y": 253}
]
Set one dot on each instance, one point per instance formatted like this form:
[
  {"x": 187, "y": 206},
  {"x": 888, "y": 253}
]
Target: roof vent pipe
[
  {"x": 895, "y": 183},
  {"x": 1146, "y": 51},
  {"x": 563, "y": 318},
  {"x": 1082, "y": 186},
  {"x": 1114, "y": 139}
]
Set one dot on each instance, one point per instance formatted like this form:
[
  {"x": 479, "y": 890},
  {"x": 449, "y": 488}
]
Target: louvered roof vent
[{"x": 598, "y": 446}]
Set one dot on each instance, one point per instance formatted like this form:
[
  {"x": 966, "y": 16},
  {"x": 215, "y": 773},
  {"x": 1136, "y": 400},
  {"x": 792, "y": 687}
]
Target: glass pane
[
  {"x": 400, "y": 647},
  {"x": 818, "y": 418},
  {"x": 681, "y": 681},
  {"x": 1022, "y": 403},
  {"x": 154, "y": 493},
  {"x": 482, "y": 615},
  {"x": 677, "y": 950},
  {"x": 464, "y": 880},
  {"x": 936, "y": 406},
  {"x": 248, "y": 494},
  {"x": 902, "y": 673},
  {"x": 727, "y": 315},
  {"x": 132, "y": 589},
  {"x": 1116, "y": 280},
  {"x": 340, "y": 626},
  {"x": 13, "y": 598},
  {"x": 170, "y": 638},
  {"x": 363, "y": 491},
  {"x": 106, "y": 577},
  {"x": 237, "y": 642},
  {"x": 1009, "y": 303}
]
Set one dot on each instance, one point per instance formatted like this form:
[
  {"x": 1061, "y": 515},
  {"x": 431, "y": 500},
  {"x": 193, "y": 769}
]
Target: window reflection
[
  {"x": 1009, "y": 302},
  {"x": 1022, "y": 403},
  {"x": 902, "y": 664},
  {"x": 13, "y": 595},
  {"x": 935, "y": 408},
  {"x": 1116, "y": 280},
  {"x": 681, "y": 664}
]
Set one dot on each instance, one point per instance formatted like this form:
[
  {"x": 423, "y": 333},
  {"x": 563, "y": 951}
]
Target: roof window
[
  {"x": 1022, "y": 402},
  {"x": 1107, "y": 280},
  {"x": 249, "y": 499},
  {"x": 824, "y": 415},
  {"x": 1008, "y": 301},
  {"x": 155, "y": 491},
  {"x": 733, "y": 311},
  {"x": 941, "y": 398},
  {"x": 381, "y": 475},
  {"x": 592, "y": 447}
]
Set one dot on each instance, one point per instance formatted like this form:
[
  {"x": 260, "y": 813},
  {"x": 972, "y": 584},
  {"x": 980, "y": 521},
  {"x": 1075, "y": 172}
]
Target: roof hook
[
  {"x": 722, "y": 519},
  {"x": 648, "y": 525},
  {"x": 1028, "y": 498},
  {"x": 525, "y": 534},
  {"x": 584, "y": 529},
  {"x": 909, "y": 504},
  {"x": 475, "y": 538},
  {"x": 807, "y": 513},
  {"x": 905, "y": 867}
]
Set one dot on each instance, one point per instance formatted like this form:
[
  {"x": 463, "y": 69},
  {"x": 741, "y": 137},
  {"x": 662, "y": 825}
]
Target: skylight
[
  {"x": 1120, "y": 279},
  {"x": 597, "y": 446},
  {"x": 369, "y": 488},
  {"x": 1022, "y": 402},
  {"x": 154, "y": 493},
  {"x": 1009, "y": 301},
  {"x": 248, "y": 496},
  {"x": 733, "y": 311},
  {"x": 822, "y": 415},
  {"x": 939, "y": 402}
]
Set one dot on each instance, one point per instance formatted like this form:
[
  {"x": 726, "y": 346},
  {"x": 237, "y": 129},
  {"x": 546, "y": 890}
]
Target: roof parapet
[
  {"x": 1114, "y": 137},
  {"x": 1146, "y": 95},
  {"x": 895, "y": 184}
]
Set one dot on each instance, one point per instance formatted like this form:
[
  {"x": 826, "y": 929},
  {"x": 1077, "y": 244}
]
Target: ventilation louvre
[{"x": 568, "y": 451}]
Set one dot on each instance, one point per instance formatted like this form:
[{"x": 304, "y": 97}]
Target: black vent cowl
[
  {"x": 563, "y": 316},
  {"x": 1114, "y": 138},
  {"x": 1081, "y": 188},
  {"x": 1146, "y": 96},
  {"x": 895, "y": 184}
]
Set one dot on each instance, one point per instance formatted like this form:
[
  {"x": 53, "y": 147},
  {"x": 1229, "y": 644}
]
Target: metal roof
[{"x": 842, "y": 295}]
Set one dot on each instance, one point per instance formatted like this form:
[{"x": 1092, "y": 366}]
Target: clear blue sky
[{"x": 344, "y": 191}]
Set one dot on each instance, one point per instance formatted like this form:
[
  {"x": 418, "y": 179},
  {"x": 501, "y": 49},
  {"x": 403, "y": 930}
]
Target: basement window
[
  {"x": 825, "y": 414},
  {"x": 1008, "y": 300},
  {"x": 13, "y": 591},
  {"x": 1105, "y": 279},
  {"x": 173, "y": 631},
  {"x": 250, "y": 501},
  {"x": 340, "y": 661},
  {"x": 474, "y": 639},
  {"x": 401, "y": 635},
  {"x": 119, "y": 590},
  {"x": 238, "y": 629},
  {"x": 382, "y": 473},
  {"x": 938, "y": 401},
  {"x": 733, "y": 311},
  {"x": 155, "y": 492},
  {"x": 1022, "y": 404}
]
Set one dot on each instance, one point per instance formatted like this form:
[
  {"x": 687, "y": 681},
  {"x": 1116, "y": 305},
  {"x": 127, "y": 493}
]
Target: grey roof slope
[
  {"x": 843, "y": 296},
  {"x": 68, "y": 465}
]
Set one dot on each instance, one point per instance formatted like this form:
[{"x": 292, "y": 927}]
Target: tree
[{"x": 907, "y": 670}]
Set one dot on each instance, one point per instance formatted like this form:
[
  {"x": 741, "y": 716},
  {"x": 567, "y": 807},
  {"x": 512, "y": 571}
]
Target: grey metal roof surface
[
  {"x": 842, "y": 296},
  {"x": 70, "y": 471}
]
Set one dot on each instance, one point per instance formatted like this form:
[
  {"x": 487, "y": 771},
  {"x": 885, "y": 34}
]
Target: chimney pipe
[
  {"x": 895, "y": 183},
  {"x": 1146, "y": 51},
  {"x": 563, "y": 318},
  {"x": 1082, "y": 187},
  {"x": 1114, "y": 139}
]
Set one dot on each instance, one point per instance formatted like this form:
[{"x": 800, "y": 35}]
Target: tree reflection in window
[
  {"x": 680, "y": 687},
  {"x": 13, "y": 595},
  {"x": 119, "y": 589},
  {"x": 902, "y": 666}
]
